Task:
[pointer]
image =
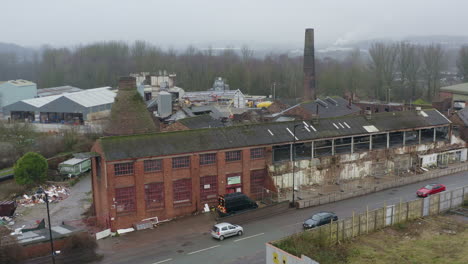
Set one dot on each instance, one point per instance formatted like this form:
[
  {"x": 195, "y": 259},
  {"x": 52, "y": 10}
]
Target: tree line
[{"x": 387, "y": 71}]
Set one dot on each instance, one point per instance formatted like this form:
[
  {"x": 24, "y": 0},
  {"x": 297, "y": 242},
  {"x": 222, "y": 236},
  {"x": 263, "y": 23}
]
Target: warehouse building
[
  {"x": 69, "y": 108},
  {"x": 16, "y": 90},
  {"x": 171, "y": 174}
]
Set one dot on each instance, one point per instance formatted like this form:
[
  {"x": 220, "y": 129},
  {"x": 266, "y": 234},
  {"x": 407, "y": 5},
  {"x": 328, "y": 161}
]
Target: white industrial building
[
  {"x": 68, "y": 108},
  {"x": 16, "y": 90}
]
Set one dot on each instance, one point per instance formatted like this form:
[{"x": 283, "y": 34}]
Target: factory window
[
  {"x": 257, "y": 153},
  {"x": 182, "y": 191},
  {"x": 233, "y": 155},
  {"x": 281, "y": 153},
  {"x": 411, "y": 138},
  {"x": 208, "y": 188},
  {"x": 209, "y": 158},
  {"x": 379, "y": 141},
  {"x": 342, "y": 145},
  {"x": 303, "y": 150},
  {"x": 396, "y": 139},
  {"x": 154, "y": 195},
  {"x": 322, "y": 148},
  {"x": 361, "y": 143},
  {"x": 125, "y": 199},
  {"x": 427, "y": 135},
  {"x": 257, "y": 183},
  {"x": 181, "y": 162},
  {"x": 152, "y": 165},
  {"x": 122, "y": 169}
]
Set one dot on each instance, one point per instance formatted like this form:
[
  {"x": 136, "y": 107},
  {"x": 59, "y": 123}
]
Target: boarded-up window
[
  {"x": 257, "y": 153},
  {"x": 206, "y": 159},
  {"x": 154, "y": 195},
  {"x": 122, "y": 169},
  {"x": 125, "y": 199},
  {"x": 152, "y": 165},
  {"x": 257, "y": 182},
  {"x": 208, "y": 188},
  {"x": 181, "y": 162},
  {"x": 182, "y": 191},
  {"x": 233, "y": 155}
]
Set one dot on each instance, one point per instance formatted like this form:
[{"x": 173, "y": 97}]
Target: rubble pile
[{"x": 55, "y": 193}]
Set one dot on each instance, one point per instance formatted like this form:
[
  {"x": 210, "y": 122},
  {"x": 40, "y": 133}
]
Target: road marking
[
  {"x": 162, "y": 261},
  {"x": 248, "y": 237},
  {"x": 202, "y": 250}
]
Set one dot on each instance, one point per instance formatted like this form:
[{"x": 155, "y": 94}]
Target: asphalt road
[{"x": 183, "y": 244}]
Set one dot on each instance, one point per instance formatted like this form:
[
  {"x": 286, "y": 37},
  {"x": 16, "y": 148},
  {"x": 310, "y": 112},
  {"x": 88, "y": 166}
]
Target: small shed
[{"x": 75, "y": 166}]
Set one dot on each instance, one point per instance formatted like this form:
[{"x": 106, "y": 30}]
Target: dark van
[{"x": 234, "y": 202}]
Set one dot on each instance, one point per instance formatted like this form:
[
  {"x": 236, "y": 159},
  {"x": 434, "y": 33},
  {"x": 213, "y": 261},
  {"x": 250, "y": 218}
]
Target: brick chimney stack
[
  {"x": 309, "y": 65},
  {"x": 127, "y": 83}
]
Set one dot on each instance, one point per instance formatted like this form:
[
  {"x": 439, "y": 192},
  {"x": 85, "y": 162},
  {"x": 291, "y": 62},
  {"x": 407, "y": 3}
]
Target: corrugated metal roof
[
  {"x": 73, "y": 161},
  {"x": 57, "y": 90},
  {"x": 179, "y": 142},
  {"x": 461, "y": 88},
  {"x": 93, "y": 97},
  {"x": 41, "y": 101}
]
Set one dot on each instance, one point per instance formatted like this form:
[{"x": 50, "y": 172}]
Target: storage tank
[{"x": 164, "y": 104}]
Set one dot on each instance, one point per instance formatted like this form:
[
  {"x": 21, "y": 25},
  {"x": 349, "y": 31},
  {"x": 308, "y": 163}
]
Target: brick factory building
[{"x": 171, "y": 174}]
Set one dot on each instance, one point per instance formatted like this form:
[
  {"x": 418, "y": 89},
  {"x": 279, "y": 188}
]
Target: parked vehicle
[
  {"x": 319, "y": 219},
  {"x": 223, "y": 230},
  {"x": 431, "y": 189},
  {"x": 234, "y": 202}
]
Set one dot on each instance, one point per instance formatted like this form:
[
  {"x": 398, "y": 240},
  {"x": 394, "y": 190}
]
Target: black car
[{"x": 319, "y": 219}]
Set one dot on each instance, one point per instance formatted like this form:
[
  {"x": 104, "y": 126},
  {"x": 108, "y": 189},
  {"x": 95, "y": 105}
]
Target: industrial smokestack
[{"x": 309, "y": 65}]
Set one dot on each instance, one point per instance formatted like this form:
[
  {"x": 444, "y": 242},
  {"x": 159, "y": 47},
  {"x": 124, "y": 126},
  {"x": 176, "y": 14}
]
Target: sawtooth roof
[{"x": 188, "y": 141}]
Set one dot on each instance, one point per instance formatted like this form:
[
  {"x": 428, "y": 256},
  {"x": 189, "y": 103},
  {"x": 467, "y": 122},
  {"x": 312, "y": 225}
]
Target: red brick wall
[{"x": 104, "y": 198}]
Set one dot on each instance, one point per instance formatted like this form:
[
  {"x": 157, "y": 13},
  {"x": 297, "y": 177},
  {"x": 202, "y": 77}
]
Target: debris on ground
[{"x": 55, "y": 193}]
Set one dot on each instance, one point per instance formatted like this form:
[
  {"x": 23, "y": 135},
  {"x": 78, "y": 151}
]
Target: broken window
[
  {"x": 122, "y": 169},
  {"x": 427, "y": 135},
  {"x": 411, "y": 138},
  {"x": 152, "y": 165},
  {"x": 303, "y": 150},
  {"x": 281, "y": 153},
  {"x": 182, "y": 191},
  {"x": 322, "y": 148},
  {"x": 181, "y": 162},
  {"x": 379, "y": 141},
  {"x": 396, "y": 139},
  {"x": 125, "y": 199},
  {"x": 342, "y": 145},
  {"x": 257, "y": 182},
  {"x": 441, "y": 133},
  {"x": 208, "y": 188},
  {"x": 257, "y": 153},
  {"x": 361, "y": 143},
  {"x": 154, "y": 195},
  {"x": 233, "y": 155},
  {"x": 206, "y": 159}
]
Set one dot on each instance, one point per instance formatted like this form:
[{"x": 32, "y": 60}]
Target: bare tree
[
  {"x": 433, "y": 63},
  {"x": 383, "y": 64},
  {"x": 462, "y": 63},
  {"x": 408, "y": 64}
]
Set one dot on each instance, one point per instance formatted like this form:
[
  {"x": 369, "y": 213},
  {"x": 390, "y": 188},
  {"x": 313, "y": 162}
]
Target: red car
[{"x": 430, "y": 189}]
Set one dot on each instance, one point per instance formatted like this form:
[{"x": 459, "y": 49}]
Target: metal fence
[
  {"x": 373, "y": 220},
  {"x": 388, "y": 215}
]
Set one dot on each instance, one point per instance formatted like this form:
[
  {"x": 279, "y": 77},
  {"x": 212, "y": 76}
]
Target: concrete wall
[
  {"x": 275, "y": 255},
  {"x": 379, "y": 187},
  {"x": 339, "y": 168},
  {"x": 10, "y": 93}
]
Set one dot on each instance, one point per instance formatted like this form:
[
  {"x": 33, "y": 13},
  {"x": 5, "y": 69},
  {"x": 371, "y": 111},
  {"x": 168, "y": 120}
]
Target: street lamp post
[
  {"x": 294, "y": 163},
  {"x": 41, "y": 191}
]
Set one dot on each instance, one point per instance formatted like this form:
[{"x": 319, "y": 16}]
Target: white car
[{"x": 223, "y": 230}]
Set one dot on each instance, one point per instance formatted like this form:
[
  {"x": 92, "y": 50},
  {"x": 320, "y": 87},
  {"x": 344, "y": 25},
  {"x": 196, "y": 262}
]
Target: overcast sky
[{"x": 225, "y": 22}]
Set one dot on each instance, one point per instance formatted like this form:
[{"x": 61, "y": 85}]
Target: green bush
[{"x": 31, "y": 169}]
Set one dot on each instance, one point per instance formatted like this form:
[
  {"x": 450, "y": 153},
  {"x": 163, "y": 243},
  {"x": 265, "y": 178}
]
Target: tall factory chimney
[{"x": 309, "y": 65}]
